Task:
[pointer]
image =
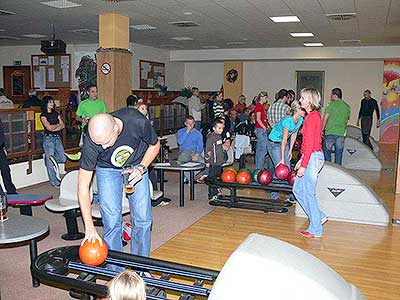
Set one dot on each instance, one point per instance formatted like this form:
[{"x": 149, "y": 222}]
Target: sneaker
[
  {"x": 164, "y": 203},
  {"x": 202, "y": 179},
  {"x": 213, "y": 198},
  {"x": 73, "y": 156},
  {"x": 308, "y": 234},
  {"x": 291, "y": 200},
  {"x": 126, "y": 231},
  {"x": 324, "y": 220}
]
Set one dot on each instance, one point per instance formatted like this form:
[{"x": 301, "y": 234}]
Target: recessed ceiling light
[
  {"x": 182, "y": 38},
  {"x": 313, "y": 44},
  {"x": 187, "y": 13},
  {"x": 143, "y": 27},
  {"x": 34, "y": 35},
  {"x": 61, "y": 4},
  {"x": 301, "y": 34},
  {"x": 235, "y": 43},
  {"x": 210, "y": 47},
  {"x": 285, "y": 19}
]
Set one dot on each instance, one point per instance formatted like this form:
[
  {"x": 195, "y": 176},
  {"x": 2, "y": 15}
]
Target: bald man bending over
[{"x": 112, "y": 140}]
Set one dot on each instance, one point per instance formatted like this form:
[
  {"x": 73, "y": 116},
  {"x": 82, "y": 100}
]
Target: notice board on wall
[
  {"x": 152, "y": 74},
  {"x": 51, "y": 71}
]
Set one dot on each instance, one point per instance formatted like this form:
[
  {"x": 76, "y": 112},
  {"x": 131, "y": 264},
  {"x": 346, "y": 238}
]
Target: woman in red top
[
  {"x": 310, "y": 163},
  {"x": 261, "y": 130}
]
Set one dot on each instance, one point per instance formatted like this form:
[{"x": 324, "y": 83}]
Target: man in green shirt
[
  {"x": 89, "y": 107},
  {"x": 334, "y": 124}
]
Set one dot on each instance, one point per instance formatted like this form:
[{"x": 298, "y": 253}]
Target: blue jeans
[
  {"x": 329, "y": 142},
  {"x": 261, "y": 147},
  {"x": 110, "y": 189},
  {"x": 274, "y": 151},
  {"x": 304, "y": 189},
  {"x": 52, "y": 146}
]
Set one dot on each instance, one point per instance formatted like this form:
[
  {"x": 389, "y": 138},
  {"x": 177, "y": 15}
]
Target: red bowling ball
[
  {"x": 243, "y": 177},
  {"x": 292, "y": 177},
  {"x": 282, "y": 171},
  {"x": 228, "y": 176},
  {"x": 265, "y": 177},
  {"x": 92, "y": 253}
]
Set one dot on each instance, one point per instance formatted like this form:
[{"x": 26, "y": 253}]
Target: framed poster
[{"x": 315, "y": 79}]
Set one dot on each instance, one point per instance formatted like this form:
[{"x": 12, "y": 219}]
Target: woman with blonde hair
[
  {"x": 310, "y": 163},
  {"x": 127, "y": 285},
  {"x": 285, "y": 130}
]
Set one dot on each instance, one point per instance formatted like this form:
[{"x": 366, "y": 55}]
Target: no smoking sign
[{"x": 105, "y": 68}]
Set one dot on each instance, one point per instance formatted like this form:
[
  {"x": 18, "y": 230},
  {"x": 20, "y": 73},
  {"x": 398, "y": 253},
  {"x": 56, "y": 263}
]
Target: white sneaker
[{"x": 324, "y": 220}]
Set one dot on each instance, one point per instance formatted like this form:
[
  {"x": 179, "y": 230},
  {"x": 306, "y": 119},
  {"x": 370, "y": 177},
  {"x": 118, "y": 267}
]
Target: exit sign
[{"x": 17, "y": 63}]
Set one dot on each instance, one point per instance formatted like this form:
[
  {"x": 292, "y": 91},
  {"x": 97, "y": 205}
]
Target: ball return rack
[
  {"x": 61, "y": 267},
  {"x": 265, "y": 205}
]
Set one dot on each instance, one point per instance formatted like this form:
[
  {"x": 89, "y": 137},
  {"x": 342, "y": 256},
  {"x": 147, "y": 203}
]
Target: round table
[{"x": 20, "y": 228}]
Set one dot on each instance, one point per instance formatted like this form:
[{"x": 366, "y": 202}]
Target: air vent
[
  {"x": 350, "y": 42},
  {"x": 341, "y": 17},
  {"x": 6, "y": 13},
  {"x": 7, "y": 38},
  {"x": 184, "y": 24}
]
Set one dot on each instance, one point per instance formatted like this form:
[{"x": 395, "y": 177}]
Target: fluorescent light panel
[
  {"x": 301, "y": 34},
  {"x": 235, "y": 43},
  {"x": 285, "y": 19},
  {"x": 209, "y": 47},
  {"x": 34, "y": 35},
  {"x": 313, "y": 44},
  {"x": 143, "y": 27},
  {"x": 61, "y": 4},
  {"x": 182, "y": 38},
  {"x": 171, "y": 46}
]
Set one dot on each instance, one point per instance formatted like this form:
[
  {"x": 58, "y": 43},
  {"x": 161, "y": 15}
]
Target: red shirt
[
  {"x": 312, "y": 136},
  {"x": 260, "y": 108},
  {"x": 239, "y": 107}
]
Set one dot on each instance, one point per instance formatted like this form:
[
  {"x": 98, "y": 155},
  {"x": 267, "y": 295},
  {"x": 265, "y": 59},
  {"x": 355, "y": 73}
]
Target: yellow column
[
  {"x": 233, "y": 80},
  {"x": 114, "y": 60}
]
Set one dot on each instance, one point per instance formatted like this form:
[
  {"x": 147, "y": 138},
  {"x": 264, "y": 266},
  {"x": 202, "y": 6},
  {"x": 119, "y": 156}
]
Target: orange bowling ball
[
  {"x": 228, "y": 176},
  {"x": 243, "y": 177},
  {"x": 92, "y": 253}
]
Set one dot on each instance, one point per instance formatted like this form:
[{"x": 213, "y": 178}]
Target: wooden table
[
  {"x": 181, "y": 168},
  {"x": 20, "y": 228}
]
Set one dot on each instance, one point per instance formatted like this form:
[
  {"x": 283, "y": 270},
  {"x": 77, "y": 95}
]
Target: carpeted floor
[{"x": 168, "y": 221}]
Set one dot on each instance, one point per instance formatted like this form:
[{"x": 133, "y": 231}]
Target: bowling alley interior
[{"x": 187, "y": 149}]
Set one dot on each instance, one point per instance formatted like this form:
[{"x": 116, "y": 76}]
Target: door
[{"x": 17, "y": 82}]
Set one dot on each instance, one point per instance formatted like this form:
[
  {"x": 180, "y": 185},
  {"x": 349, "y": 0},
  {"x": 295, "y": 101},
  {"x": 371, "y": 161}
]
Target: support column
[
  {"x": 233, "y": 80},
  {"x": 114, "y": 60},
  {"x": 396, "y": 212}
]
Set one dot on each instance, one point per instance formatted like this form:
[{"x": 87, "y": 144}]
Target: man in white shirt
[
  {"x": 195, "y": 106},
  {"x": 4, "y": 101}
]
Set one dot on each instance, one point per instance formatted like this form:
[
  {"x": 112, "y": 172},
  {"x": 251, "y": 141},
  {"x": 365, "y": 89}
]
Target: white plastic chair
[{"x": 68, "y": 204}]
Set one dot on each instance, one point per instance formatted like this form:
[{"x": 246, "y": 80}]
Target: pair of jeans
[
  {"x": 215, "y": 171},
  {"x": 261, "y": 147},
  {"x": 110, "y": 189},
  {"x": 331, "y": 141},
  {"x": 304, "y": 189},
  {"x": 274, "y": 151},
  {"x": 366, "y": 125},
  {"x": 6, "y": 173},
  {"x": 52, "y": 145},
  {"x": 186, "y": 156}
]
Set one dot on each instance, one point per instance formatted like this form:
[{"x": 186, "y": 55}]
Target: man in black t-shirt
[
  {"x": 115, "y": 140},
  {"x": 366, "y": 115}
]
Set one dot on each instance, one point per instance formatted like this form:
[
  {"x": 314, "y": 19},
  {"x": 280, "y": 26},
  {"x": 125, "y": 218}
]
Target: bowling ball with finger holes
[
  {"x": 243, "y": 177},
  {"x": 92, "y": 253},
  {"x": 264, "y": 177},
  {"x": 228, "y": 176},
  {"x": 282, "y": 171}
]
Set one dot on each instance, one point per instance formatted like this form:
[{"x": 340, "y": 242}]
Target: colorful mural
[{"x": 390, "y": 102}]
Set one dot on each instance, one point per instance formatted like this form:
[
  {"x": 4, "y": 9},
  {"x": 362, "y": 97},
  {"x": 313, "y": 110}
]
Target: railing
[{"x": 24, "y": 134}]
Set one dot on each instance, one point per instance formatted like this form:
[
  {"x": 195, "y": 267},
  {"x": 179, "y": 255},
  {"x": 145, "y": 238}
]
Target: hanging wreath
[{"x": 232, "y": 75}]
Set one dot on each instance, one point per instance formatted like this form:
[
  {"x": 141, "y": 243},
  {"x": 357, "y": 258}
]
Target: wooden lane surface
[{"x": 365, "y": 255}]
